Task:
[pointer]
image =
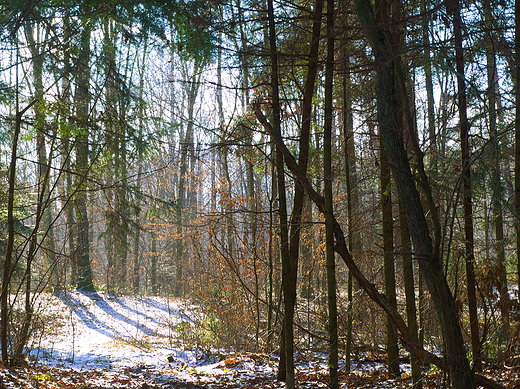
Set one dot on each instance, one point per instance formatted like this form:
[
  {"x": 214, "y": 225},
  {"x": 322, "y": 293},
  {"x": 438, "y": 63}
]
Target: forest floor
[{"x": 93, "y": 340}]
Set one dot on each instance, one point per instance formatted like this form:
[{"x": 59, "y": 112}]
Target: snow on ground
[
  {"x": 96, "y": 340},
  {"x": 130, "y": 336},
  {"x": 100, "y": 341},
  {"x": 99, "y": 330}
]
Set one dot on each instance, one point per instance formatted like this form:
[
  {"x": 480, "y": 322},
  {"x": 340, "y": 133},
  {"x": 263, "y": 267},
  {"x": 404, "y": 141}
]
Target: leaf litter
[{"x": 101, "y": 341}]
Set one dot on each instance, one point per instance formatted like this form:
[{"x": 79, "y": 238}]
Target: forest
[{"x": 302, "y": 186}]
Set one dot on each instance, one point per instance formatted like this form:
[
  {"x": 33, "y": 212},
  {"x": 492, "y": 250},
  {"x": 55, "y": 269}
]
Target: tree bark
[
  {"x": 469, "y": 241},
  {"x": 183, "y": 198},
  {"x": 409, "y": 289},
  {"x": 85, "y": 281},
  {"x": 498, "y": 190},
  {"x": 430, "y": 99},
  {"x": 392, "y": 348},
  {"x": 354, "y": 242},
  {"x": 517, "y": 140},
  {"x": 304, "y": 144},
  {"x": 286, "y": 367},
  {"x": 7, "y": 266},
  {"x": 42, "y": 215},
  {"x": 328, "y": 179}
]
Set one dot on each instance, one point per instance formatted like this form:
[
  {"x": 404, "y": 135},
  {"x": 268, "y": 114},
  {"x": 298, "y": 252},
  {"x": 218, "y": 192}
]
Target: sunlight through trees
[{"x": 315, "y": 176}]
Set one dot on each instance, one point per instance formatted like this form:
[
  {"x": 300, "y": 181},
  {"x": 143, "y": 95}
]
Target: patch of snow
[
  {"x": 134, "y": 342},
  {"x": 100, "y": 330}
]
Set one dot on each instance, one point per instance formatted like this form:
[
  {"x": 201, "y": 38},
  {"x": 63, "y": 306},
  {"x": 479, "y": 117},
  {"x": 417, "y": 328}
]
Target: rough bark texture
[{"x": 392, "y": 348}]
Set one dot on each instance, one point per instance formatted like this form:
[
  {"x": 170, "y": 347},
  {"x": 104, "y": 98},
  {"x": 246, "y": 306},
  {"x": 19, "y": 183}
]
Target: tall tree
[
  {"x": 328, "y": 178},
  {"x": 184, "y": 208},
  {"x": 467, "y": 201},
  {"x": 82, "y": 103},
  {"x": 461, "y": 374},
  {"x": 286, "y": 370},
  {"x": 10, "y": 249},
  {"x": 65, "y": 125},
  {"x": 409, "y": 289},
  {"x": 42, "y": 214},
  {"x": 493, "y": 102},
  {"x": 382, "y": 11},
  {"x": 392, "y": 348},
  {"x": 37, "y": 50},
  {"x": 304, "y": 146},
  {"x": 517, "y": 138}
]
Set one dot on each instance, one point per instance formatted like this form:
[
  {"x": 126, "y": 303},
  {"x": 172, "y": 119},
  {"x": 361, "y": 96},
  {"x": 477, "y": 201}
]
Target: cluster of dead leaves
[{"x": 41, "y": 377}]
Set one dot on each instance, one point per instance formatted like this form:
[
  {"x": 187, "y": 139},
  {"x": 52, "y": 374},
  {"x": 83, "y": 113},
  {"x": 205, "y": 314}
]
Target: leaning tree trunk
[
  {"x": 341, "y": 248},
  {"x": 461, "y": 374}
]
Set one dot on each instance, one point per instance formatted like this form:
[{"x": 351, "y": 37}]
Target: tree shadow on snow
[
  {"x": 136, "y": 311},
  {"x": 93, "y": 322},
  {"x": 165, "y": 307},
  {"x": 90, "y": 320},
  {"x": 108, "y": 309}
]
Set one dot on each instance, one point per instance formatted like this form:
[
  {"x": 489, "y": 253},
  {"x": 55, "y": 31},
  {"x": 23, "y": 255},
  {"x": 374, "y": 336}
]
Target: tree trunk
[
  {"x": 498, "y": 217},
  {"x": 430, "y": 99},
  {"x": 384, "y": 14},
  {"x": 271, "y": 256},
  {"x": 461, "y": 374},
  {"x": 409, "y": 289},
  {"x": 392, "y": 348},
  {"x": 469, "y": 252},
  {"x": 136, "y": 273},
  {"x": 354, "y": 241},
  {"x": 304, "y": 143},
  {"x": 85, "y": 281},
  {"x": 66, "y": 151},
  {"x": 328, "y": 196},
  {"x": 7, "y": 267},
  {"x": 286, "y": 367},
  {"x": 42, "y": 204},
  {"x": 517, "y": 140},
  {"x": 153, "y": 263},
  {"x": 37, "y": 59},
  {"x": 183, "y": 206}
]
